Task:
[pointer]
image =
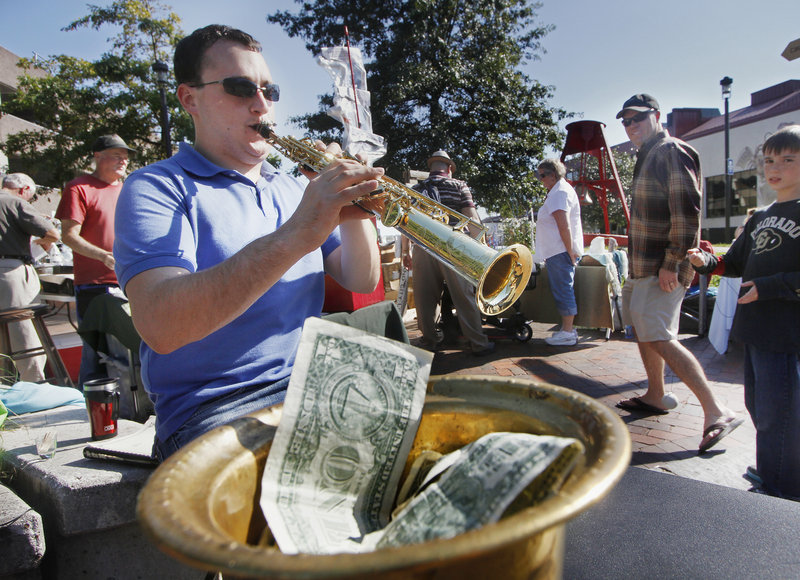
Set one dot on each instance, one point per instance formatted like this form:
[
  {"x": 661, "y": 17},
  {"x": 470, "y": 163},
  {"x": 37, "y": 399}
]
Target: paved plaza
[{"x": 611, "y": 370}]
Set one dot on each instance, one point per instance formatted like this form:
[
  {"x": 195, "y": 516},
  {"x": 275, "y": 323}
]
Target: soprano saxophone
[{"x": 499, "y": 276}]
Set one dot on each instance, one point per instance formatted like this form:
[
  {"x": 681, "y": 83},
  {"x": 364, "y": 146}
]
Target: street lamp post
[
  {"x": 726, "y": 83},
  {"x": 162, "y": 73}
]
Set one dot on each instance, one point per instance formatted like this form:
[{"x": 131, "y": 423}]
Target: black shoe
[
  {"x": 489, "y": 349},
  {"x": 424, "y": 344}
]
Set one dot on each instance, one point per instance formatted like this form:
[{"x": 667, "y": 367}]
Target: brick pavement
[{"x": 611, "y": 370}]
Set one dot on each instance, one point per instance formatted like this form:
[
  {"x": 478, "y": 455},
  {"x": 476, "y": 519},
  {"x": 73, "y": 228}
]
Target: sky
[{"x": 600, "y": 53}]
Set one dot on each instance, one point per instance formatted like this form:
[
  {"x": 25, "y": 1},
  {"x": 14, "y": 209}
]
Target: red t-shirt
[{"x": 92, "y": 203}]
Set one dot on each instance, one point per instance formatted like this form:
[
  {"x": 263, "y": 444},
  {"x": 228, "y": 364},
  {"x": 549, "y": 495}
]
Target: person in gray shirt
[{"x": 19, "y": 283}]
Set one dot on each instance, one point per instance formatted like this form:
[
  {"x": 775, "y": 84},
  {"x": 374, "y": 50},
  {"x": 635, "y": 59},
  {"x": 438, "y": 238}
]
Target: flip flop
[
  {"x": 636, "y": 405},
  {"x": 725, "y": 428}
]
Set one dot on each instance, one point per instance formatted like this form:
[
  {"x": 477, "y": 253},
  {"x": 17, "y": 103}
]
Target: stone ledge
[
  {"x": 73, "y": 494},
  {"x": 21, "y": 536},
  {"x": 87, "y": 506}
]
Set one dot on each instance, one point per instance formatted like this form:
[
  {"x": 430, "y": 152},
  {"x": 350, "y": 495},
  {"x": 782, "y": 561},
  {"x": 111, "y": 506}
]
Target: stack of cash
[
  {"x": 473, "y": 486},
  {"x": 351, "y": 413}
]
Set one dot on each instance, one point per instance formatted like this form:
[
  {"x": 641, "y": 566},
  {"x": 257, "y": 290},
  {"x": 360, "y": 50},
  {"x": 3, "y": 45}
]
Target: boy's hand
[
  {"x": 697, "y": 257},
  {"x": 751, "y": 295}
]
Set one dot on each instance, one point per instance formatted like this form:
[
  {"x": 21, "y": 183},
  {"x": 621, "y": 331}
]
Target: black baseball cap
[
  {"x": 110, "y": 142},
  {"x": 639, "y": 103}
]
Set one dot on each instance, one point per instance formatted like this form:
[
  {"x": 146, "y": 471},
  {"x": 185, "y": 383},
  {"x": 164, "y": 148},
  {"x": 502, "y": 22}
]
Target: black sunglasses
[
  {"x": 245, "y": 88},
  {"x": 543, "y": 175},
  {"x": 635, "y": 119}
]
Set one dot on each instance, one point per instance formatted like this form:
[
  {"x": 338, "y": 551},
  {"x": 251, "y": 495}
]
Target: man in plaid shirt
[{"x": 665, "y": 223}]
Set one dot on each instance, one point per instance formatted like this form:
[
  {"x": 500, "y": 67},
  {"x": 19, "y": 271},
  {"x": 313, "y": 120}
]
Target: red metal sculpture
[{"x": 587, "y": 140}]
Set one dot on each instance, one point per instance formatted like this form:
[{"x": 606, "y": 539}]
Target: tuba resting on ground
[{"x": 499, "y": 276}]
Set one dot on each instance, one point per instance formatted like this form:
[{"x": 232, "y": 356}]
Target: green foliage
[
  {"x": 8, "y": 371},
  {"x": 517, "y": 231},
  {"x": 446, "y": 74},
  {"x": 80, "y": 100}
]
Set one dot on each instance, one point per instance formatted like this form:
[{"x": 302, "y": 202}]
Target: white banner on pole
[{"x": 353, "y": 111}]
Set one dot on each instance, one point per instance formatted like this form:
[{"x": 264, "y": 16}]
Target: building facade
[
  {"x": 10, "y": 124},
  {"x": 46, "y": 199},
  {"x": 770, "y": 109}
]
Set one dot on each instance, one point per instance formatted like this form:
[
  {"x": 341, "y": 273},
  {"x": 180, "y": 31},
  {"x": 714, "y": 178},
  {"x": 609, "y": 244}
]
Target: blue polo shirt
[{"x": 189, "y": 213}]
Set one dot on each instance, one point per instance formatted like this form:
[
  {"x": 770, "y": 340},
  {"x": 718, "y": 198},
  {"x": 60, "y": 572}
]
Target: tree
[
  {"x": 80, "y": 100},
  {"x": 446, "y": 74}
]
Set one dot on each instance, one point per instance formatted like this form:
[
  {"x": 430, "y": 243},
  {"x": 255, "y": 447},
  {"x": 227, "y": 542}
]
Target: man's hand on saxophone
[
  {"x": 366, "y": 206},
  {"x": 327, "y": 201}
]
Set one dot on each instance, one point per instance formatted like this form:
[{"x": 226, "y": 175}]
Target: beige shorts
[{"x": 653, "y": 313}]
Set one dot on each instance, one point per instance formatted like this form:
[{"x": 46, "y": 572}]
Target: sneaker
[
  {"x": 562, "y": 338},
  {"x": 752, "y": 475}
]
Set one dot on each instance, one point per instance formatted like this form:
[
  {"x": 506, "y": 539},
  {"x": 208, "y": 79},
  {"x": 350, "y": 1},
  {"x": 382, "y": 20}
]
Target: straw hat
[{"x": 441, "y": 156}]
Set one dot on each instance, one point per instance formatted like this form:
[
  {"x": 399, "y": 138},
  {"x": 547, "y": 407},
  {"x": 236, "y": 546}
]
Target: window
[{"x": 744, "y": 193}]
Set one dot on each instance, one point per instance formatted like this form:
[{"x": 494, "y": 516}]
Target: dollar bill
[
  {"x": 351, "y": 412},
  {"x": 478, "y": 482},
  {"x": 416, "y": 477}
]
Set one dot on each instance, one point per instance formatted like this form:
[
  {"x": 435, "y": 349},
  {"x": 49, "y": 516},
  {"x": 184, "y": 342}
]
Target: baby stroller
[
  {"x": 509, "y": 324},
  {"x": 512, "y": 323}
]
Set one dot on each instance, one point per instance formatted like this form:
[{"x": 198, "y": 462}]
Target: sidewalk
[{"x": 612, "y": 370}]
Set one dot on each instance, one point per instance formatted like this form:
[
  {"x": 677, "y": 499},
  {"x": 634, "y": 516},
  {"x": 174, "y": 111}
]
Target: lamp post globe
[
  {"x": 161, "y": 70},
  {"x": 725, "y": 84}
]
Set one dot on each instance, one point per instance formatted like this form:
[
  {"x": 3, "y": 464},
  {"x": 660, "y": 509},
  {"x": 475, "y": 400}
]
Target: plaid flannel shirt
[{"x": 665, "y": 208}]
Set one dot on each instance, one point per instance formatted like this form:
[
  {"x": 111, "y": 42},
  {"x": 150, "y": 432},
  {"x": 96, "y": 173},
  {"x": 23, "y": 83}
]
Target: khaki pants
[
  {"x": 19, "y": 286},
  {"x": 429, "y": 278}
]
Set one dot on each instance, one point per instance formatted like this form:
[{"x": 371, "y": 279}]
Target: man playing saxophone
[{"x": 222, "y": 256}]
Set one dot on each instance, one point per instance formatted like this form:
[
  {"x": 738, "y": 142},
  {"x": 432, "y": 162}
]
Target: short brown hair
[
  {"x": 784, "y": 139},
  {"x": 191, "y": 49}
]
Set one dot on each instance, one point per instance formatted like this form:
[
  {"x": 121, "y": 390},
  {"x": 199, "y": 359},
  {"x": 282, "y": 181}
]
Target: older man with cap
[
  {"x": 19, "y": 284},
  {"x": 665, "y": 224},
  {"x": 430, "y": 275},
  {"x": 86, "y": 211}
]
